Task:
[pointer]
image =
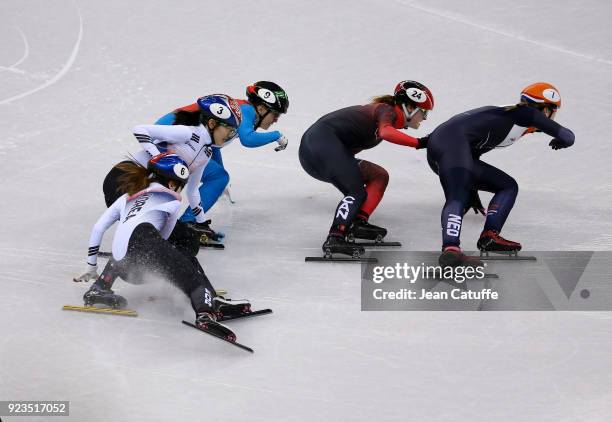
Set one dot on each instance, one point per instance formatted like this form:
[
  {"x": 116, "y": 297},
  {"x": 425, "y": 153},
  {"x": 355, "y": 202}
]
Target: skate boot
[
  {"x": 453, "y": 257},
  {"x": 337, "y": 244},
  {"x": 491, "y": 241},
  {"x": 229, "y": 308},
  {"x": 361, "y": 229},
  {"x": 207, "y": 321},
  {"x": 206, "y": 232},
  {"x": 96, "y": 295}
]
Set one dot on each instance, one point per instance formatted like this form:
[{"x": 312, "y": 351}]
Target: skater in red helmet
[{"x": 327, "y": 153}]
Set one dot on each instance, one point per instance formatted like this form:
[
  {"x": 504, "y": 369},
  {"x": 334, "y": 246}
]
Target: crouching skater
[{"x": 147, "y": 214}]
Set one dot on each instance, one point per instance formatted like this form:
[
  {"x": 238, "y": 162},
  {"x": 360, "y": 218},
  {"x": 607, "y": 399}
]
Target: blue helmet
[
  {"x": 222, "y": 108},
  {"x": 168, "y": 166}
]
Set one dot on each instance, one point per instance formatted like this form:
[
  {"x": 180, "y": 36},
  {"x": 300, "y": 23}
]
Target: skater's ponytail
[
  {"x": 134, "y": 178},
  {"x": 385, "y": 99}
]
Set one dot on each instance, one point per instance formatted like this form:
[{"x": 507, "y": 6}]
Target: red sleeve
[
  {"x": 190, "y": 107},
  {"x": 390, "y": 134}
]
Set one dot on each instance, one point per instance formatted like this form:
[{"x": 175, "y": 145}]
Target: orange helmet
[{"x": 541, "y": 94}]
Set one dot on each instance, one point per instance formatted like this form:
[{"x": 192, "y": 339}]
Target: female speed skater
[
  {"x": 214, "y": 124},
  {"x": 266, "y": 102},
  {"x": 147, "y": 213},
  {"x": 327, "y": 153},
  {"x": 454, "y": 149}
]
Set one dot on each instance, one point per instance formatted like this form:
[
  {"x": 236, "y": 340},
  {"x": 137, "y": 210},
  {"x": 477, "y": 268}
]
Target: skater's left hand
[
  {"x": 475, "y": 203},
  {"x": 89, "y": 275},
  {"x": 282, "y": 143}
]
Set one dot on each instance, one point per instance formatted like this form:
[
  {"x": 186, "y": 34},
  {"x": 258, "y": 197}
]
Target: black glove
[
  {"x": 557, "y": 144},
  {"x": 422, "y": 142},
  {"x": 474, "y": 203}
]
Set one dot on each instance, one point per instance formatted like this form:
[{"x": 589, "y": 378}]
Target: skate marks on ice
[
  {"x": 465, "y": 21},
  {"x": 55, "y": 78}
]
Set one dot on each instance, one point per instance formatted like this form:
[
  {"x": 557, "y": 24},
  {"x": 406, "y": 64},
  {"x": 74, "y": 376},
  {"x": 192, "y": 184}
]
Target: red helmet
[
  {"x": 415, "y": 94},
  {"x": 541, "y": 94}
]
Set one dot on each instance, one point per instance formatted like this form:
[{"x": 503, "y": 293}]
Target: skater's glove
[
  {"x": 422, "y": 142},
  {"x": 90, "y": 275},
  {"x": 557, "y": 144},
  {"x": 282, "y": 143},
  {"x": 475, "y": 203}
]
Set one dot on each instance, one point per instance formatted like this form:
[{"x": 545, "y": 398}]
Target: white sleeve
[
  {"x": 107, "y": 219},
  {"x": 174, "y": 134},
  {"x": 172, "y": 208},
  {"x": 193, "y": 194}
]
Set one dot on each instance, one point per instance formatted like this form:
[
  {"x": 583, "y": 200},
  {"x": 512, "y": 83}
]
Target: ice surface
[{"x": 76, "y": 76}]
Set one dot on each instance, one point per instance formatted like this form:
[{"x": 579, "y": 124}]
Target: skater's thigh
[
  {"x": 326, "y": 158},
  {"x": 491, "y": 179},
  {"x": 455, "y": 168},
  {"x": 148, "y": 252}
]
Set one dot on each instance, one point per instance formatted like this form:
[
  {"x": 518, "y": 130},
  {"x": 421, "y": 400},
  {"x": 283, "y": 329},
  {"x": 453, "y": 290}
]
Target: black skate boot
[
  {"x": 338, "y": 244},
  {"x": 491, "y": 241},
  {"x": 230, "y": 308},
  {"x": 206, "y": 232},
  {"x": 96, "y": 295},
  {"x": 207, "y": 321},
  {"x": 361, "y": 229},
  {"x": 453, "y": 257}
]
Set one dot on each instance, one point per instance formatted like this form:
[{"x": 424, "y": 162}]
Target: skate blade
[
  {"x": 338, "y": 259},
  {"x": 221, "y": 292},
  {"x": 94, "y": 310},
  {"x": 504, "y": 256},
  {"x": 374, "y": 244},
  {"x": 212, "y": 245}
]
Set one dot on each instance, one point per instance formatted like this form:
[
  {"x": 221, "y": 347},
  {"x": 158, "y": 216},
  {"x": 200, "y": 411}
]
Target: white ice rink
[{"x": 76, "y": 76}]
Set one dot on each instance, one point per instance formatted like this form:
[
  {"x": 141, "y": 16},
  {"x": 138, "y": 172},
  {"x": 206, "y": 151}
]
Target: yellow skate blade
[
  {"x": 94, "y": 310},
  {"x": 221, "y": 292}
]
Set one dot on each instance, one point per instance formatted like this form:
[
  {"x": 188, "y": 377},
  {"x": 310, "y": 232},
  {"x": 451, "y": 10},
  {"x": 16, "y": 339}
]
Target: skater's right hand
[
  {"x": 475, "y": 203},
  {"x": 89, "y": 275},
  {"x": 422, "y": 142},
  {"x": 282, "y": 143}
]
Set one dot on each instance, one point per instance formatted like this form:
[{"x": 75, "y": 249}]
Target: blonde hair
[{"x": 134, "y": 178}]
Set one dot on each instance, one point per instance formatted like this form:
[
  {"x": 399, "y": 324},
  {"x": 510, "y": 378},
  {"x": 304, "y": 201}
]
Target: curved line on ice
[
  {"x": 26, "y": 49},
  {"x": 506, "y": 34},
  {"x": 62, "y": 71}
]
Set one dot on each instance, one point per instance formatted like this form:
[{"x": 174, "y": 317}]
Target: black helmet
[{"x": 268, "y": 94}]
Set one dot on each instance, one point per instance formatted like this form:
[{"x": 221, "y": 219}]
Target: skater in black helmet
[
  {"x": 327, "y": 153},
  {"x": 454, "y": 149},
  {"x": 146, "y": 215}
]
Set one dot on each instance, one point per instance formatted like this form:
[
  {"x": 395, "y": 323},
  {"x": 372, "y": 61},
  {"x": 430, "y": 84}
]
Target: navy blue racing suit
[{"x": 454, "y": 150}]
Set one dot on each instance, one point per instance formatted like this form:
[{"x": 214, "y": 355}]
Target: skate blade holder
[
  {"x": 351, "y": 238},
  {"x": 378, "y": 242},
  {"x": 505, "y": 256},
  {"x": 328, "y": 257}
]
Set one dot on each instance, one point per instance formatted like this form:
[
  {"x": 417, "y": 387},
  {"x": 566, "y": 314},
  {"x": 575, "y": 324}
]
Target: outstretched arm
[
  {"x": 563, "y": 137},
  {"x": 390, "y": 134},
  {"x": 246, "y": 131},
  {"x": 147, "y": 134}
]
